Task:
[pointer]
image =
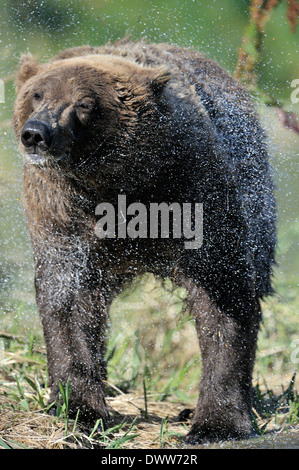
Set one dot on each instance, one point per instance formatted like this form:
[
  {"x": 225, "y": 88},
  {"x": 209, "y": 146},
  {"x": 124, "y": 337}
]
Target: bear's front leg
[
  {"x": 227, "y": 348},
  {"x": 73, "y": 314}
]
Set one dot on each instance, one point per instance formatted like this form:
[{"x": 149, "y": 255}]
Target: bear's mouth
[
  {"x": 35, "y": 157},
  {"x": 42, "y": 158}
]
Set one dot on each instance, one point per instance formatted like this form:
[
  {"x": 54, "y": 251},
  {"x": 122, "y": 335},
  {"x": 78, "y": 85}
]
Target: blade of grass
[
  {"x": 35, "y": 386},
  {"x": 95, "y": 428},
  {"x": 5, "y": 445},
  {"x": 145, "y": 400},
  {"x": 125, "y": 438},
  {"x": 161, "y": 432},
  {"x": 75, "y": 422}
]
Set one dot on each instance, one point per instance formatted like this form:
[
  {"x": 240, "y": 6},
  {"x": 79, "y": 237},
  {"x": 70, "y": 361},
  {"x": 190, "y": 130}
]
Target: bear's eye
[
  {"x": 38, "y": 96},
  {"x": 84, "y": 106}
]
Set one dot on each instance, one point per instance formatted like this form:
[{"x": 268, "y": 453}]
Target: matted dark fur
[{"x": 160, "y": 124}]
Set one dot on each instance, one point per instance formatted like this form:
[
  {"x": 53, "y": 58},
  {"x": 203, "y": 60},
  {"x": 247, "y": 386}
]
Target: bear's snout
[{"x": 36, "y": 134}]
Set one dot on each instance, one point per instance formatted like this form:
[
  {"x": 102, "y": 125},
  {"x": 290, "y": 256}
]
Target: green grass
[
  {"x": 24, "y": 391},
  {"x": 155, "y": 364},
  {"x": 24, "y": 385}
]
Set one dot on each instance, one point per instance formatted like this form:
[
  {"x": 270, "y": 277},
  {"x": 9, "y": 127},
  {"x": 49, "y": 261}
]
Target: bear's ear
[
  {"x": 157, "y": 78},
  {"x": 28, "y": 68}
]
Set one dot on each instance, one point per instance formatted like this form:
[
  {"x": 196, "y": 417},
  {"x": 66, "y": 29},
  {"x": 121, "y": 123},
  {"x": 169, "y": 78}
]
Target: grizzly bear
[{"x": 152, "y": 123}]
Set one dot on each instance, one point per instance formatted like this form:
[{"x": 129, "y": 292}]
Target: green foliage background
[{"x": 214, "y": 27}]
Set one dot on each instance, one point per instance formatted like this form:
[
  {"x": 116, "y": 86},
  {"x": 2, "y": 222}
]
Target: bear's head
[{"x": 93, "y": 110}]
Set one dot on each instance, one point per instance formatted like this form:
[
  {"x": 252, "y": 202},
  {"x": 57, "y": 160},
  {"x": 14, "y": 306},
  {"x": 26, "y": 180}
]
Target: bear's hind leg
[{"x": 227, "y": 346}]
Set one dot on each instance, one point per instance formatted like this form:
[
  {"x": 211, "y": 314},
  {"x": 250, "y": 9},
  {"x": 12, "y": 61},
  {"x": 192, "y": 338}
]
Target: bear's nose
[{"x": 36, "y": 133}]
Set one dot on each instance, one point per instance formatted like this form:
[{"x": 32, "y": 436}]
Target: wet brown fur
[{"x": 162, "y": 124}]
